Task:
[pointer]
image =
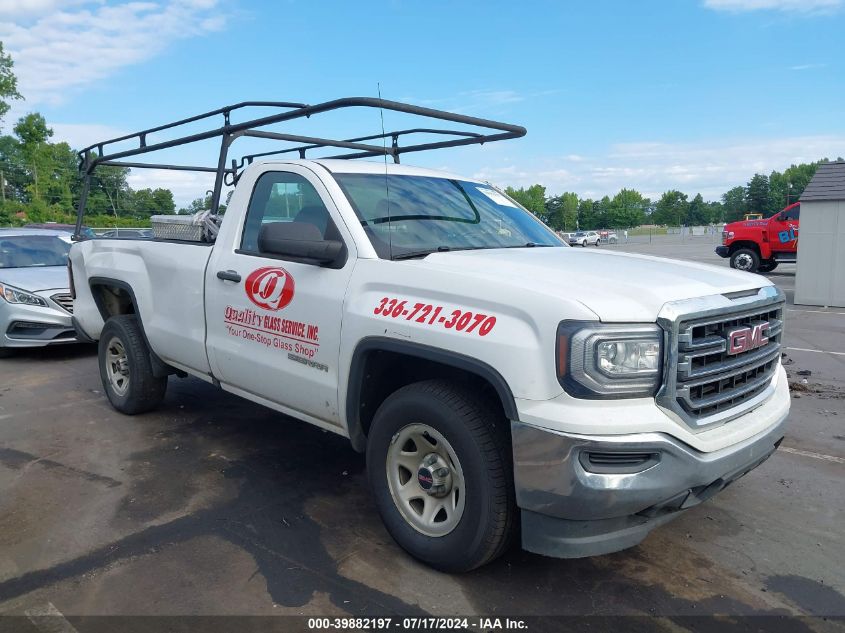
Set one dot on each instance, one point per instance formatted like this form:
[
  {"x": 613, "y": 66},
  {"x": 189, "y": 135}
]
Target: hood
[
  {"x": 615, "y": 286},
  {"x": 35, "y": 278},
  {"x": 739, "y": 224}
]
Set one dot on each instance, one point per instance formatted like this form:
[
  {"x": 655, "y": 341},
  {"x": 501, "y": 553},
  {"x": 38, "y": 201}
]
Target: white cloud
[
  {"x": 791, "y": 6},
  {"x": 60, "y": 46},
  {"x": 807, "y": 66},
  {"x": 79, "y": 135},
  {"x": 479, "y": 102},
  {"x": 651, "y": 167},
  {"x": 185, "y": 185},
  {"x": 26, "y": 8}
]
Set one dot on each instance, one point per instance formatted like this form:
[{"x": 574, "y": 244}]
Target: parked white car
[
  {"x": 495, "y": 378},
  {"x": 583, "y": 238},
  {"x": 35, "y": 301}
]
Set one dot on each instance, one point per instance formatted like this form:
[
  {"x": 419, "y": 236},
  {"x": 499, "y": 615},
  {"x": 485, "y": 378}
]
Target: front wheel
[
  {"x": 767, "y": 267},
  {"x": 745, "y": 259},
  {"x": 125, "y": 368},
  {"x": 439, "y": 465}
]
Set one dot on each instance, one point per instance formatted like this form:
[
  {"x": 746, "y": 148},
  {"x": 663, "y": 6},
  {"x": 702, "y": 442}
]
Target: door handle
[{"x": 228, "y": 275}]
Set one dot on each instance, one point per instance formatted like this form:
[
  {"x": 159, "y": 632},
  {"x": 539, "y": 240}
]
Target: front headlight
[
  {"x": 595, "y": 360},
  {"x": 13, "y": 295}
]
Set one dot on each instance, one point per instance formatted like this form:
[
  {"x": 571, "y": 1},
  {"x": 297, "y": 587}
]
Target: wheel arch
[
  {"x": 735, "y": 246},
  {"x": 382, "y": 365},
  {"x": 115, "y": 297}
]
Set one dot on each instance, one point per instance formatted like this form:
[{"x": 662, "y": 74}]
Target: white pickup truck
[{"x": 494, "y": 376}]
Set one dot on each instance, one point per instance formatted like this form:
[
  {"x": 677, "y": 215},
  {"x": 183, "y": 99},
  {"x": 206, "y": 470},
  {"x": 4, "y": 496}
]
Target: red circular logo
[{"x": 270, "y": 288}]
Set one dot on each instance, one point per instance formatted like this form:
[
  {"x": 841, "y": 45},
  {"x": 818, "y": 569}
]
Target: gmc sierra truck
[
  {"x": 760, "y": 245},
  {"x": 495, "y": 377}
]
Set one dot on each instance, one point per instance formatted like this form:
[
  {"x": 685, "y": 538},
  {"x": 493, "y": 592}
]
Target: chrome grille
[
  {"x": 704, "y": 384},
  {"x": 65, "y": 301}
]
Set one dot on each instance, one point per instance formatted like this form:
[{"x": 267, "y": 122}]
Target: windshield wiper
[
  {"x": 421, "y": 253},
  {"x": 439, "y": 249},
  {"x": 447, "y": 249}
]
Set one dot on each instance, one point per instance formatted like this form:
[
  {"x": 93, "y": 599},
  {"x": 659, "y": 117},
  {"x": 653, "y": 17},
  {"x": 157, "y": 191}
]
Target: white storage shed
[{"x": 820, "y": 276}]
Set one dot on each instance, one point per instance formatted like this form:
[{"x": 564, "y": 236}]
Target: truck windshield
[
  {"x": 26, "y": 251},
  {"x": 415, "y": 215}
]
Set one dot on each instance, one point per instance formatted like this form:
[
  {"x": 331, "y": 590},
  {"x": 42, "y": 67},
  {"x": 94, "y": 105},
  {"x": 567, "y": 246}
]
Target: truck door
[
  {"x": 783, "y": 230},
  {"x": 274, "y": 324}
]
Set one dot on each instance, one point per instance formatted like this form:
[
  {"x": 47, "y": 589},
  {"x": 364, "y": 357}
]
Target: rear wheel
[
  {"x": 745, "y": 259},
  {"x": 438, "y": 461},
  {"x": 125, "y": 368}
]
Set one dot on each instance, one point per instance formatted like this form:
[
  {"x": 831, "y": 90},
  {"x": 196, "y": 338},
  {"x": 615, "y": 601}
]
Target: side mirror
[{"x": 298, "y": 240}]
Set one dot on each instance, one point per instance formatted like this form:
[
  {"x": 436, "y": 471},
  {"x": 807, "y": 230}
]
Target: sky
[{"x": 695, "y": 95}]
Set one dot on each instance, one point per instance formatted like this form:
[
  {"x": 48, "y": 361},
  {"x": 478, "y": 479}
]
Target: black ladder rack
[{"x": 359, "y": 147}]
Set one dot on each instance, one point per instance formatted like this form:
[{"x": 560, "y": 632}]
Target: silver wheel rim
[
  {"x": 744, "y": 262},
  {"x": 117, "y": 366},
  {"x": 418, "y": 455}
]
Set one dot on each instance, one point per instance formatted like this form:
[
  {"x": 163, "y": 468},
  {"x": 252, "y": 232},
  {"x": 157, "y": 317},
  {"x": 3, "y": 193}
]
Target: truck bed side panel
[{"x": 166, "y": 280}]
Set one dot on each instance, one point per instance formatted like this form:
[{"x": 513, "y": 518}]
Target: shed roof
[{"x": 827, "y": 184}]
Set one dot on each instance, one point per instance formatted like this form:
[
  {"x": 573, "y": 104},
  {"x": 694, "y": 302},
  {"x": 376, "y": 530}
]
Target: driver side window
[
  {"x": 792, "y": 214},
  {"x": 284, "y": 197}
]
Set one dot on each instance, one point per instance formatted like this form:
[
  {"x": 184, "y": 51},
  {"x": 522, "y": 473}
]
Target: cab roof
[{"x": 343, "y": 166}]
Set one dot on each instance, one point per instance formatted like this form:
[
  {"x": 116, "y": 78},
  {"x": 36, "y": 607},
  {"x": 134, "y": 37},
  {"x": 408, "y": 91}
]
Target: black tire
[
  {"x": 584, "y": 244},
  {"x": 767, "y": 267},
  {"x": 5, "y": 352},
  {"x": 745, "y": 259},
  {"x": 480, "y": 438},
  {"x": 144, "y": 391}
]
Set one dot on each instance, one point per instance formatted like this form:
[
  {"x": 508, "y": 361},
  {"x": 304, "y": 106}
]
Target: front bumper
[
  {"x": 723, "y": 251},
  {"x": 569, "y": 510},
  {"x": 34, "y": 326}
]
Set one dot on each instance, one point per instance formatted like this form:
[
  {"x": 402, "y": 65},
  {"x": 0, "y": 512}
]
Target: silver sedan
[
  {"x": 583, "y": 238},
  {"x": 35, "y": 300}
]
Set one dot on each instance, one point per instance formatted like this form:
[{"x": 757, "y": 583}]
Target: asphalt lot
[{"x": 213, "y": 505}]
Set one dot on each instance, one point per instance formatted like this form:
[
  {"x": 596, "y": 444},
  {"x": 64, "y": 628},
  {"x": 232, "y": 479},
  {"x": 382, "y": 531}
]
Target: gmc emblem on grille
[{"x": 744, "y": 339}]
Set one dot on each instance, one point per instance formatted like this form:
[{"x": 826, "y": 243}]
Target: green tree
[
  {"x": 570, "y": 210},
  {"x": 715, "y": 211},
  {"x": 8, "y": 83},
  {"x": 787, "y": 187},
  {"x": 109, "y": 182},
  {"x": 698, "y": 213},
  {"x": 734, "y": 204},
  {"x": 147, "y": 202},
  {"x": 601, "y": 214},
  {"x": 586, "y": 214},
  {"x": 35, "y": 155},
  {"x": 626, "y": 209},
  {"x": 757, "y": 194},
  {"x": 671, "y": 209},
  {"x": 533, "y": 198},
  {"x": 562, "y": 211}
]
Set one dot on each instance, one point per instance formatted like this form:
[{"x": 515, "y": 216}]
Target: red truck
[{"x": 760, "y": 245}]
